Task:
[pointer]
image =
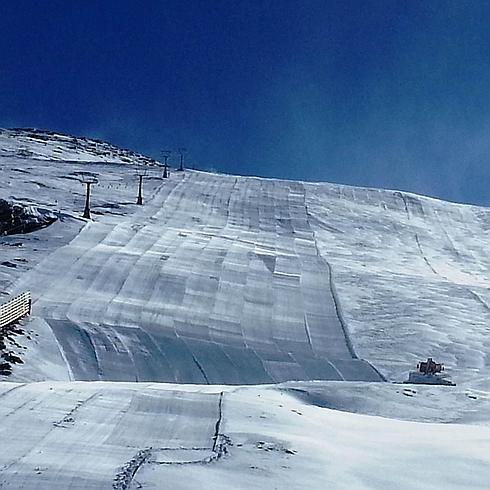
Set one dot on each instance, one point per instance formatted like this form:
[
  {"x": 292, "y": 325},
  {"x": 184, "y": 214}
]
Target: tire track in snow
[
  {"x": 480, "y": 300},
  {"x": 421, "y": 250},
  {"x": 417, "y": 239},
  {"x": 199, "y": 367},
  {"x": 68, "y": 418},
  {"x": 5, "y": 393},
  {"x": 218, "y": 422}
]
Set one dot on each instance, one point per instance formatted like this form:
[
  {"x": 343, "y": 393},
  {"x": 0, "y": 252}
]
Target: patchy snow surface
[
  {"x": 239, "y": 281},
  {"x": 56, "y": 186},
  {"x": 47, "y": 145}
]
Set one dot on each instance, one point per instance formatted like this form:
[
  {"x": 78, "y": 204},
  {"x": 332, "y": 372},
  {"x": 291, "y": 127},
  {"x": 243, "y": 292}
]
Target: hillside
[
  {"x": 48, "y": 145},
  {"x": 226, "y": 280}
]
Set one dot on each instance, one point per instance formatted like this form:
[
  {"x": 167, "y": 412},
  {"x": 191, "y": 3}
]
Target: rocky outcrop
[{"x": 15, "y": 218}]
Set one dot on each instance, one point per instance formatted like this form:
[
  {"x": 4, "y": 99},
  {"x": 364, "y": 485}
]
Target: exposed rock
[{"x": 15, "y": 218}]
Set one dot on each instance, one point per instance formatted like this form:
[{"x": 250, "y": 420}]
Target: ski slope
[
  {"x": 144, "y": 318},
  {"x": 413, "y": 273},
  {"x": 222, "y": 279},
  {"x": 127, "y": 435},
  {"x": 216, "y": 280}
]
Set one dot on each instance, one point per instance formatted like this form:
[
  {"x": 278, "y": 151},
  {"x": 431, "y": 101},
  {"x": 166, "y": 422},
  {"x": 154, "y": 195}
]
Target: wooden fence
[{"x": 15, "y": 309}]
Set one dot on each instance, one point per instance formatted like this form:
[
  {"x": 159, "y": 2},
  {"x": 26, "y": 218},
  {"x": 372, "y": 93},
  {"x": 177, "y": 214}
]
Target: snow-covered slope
[
  {"x": 227, "y": 279},
  {"x": 413, "y": 274},
  {"x": 118, "y": 435},
  {"x": 234, "y": 280},
  {"x": 47, "y": 145},
  {"x": 216, "y": 280}
]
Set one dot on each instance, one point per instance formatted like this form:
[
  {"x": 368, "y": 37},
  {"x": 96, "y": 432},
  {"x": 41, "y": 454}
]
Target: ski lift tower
[
  {"x": 166, "y": 155},
  {"x": 87, "y": 178},
  {"x": 141, "y": 172},
  {"x": 181, "y": 153}
]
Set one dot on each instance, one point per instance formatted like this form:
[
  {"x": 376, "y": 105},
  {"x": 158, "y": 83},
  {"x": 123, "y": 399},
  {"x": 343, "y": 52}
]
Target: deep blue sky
[{"x": 377, "y": 93}]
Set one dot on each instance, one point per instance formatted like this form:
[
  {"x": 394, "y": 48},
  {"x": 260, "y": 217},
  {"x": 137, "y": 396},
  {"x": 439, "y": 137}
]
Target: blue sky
[{"x": 392, "y": 94}]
